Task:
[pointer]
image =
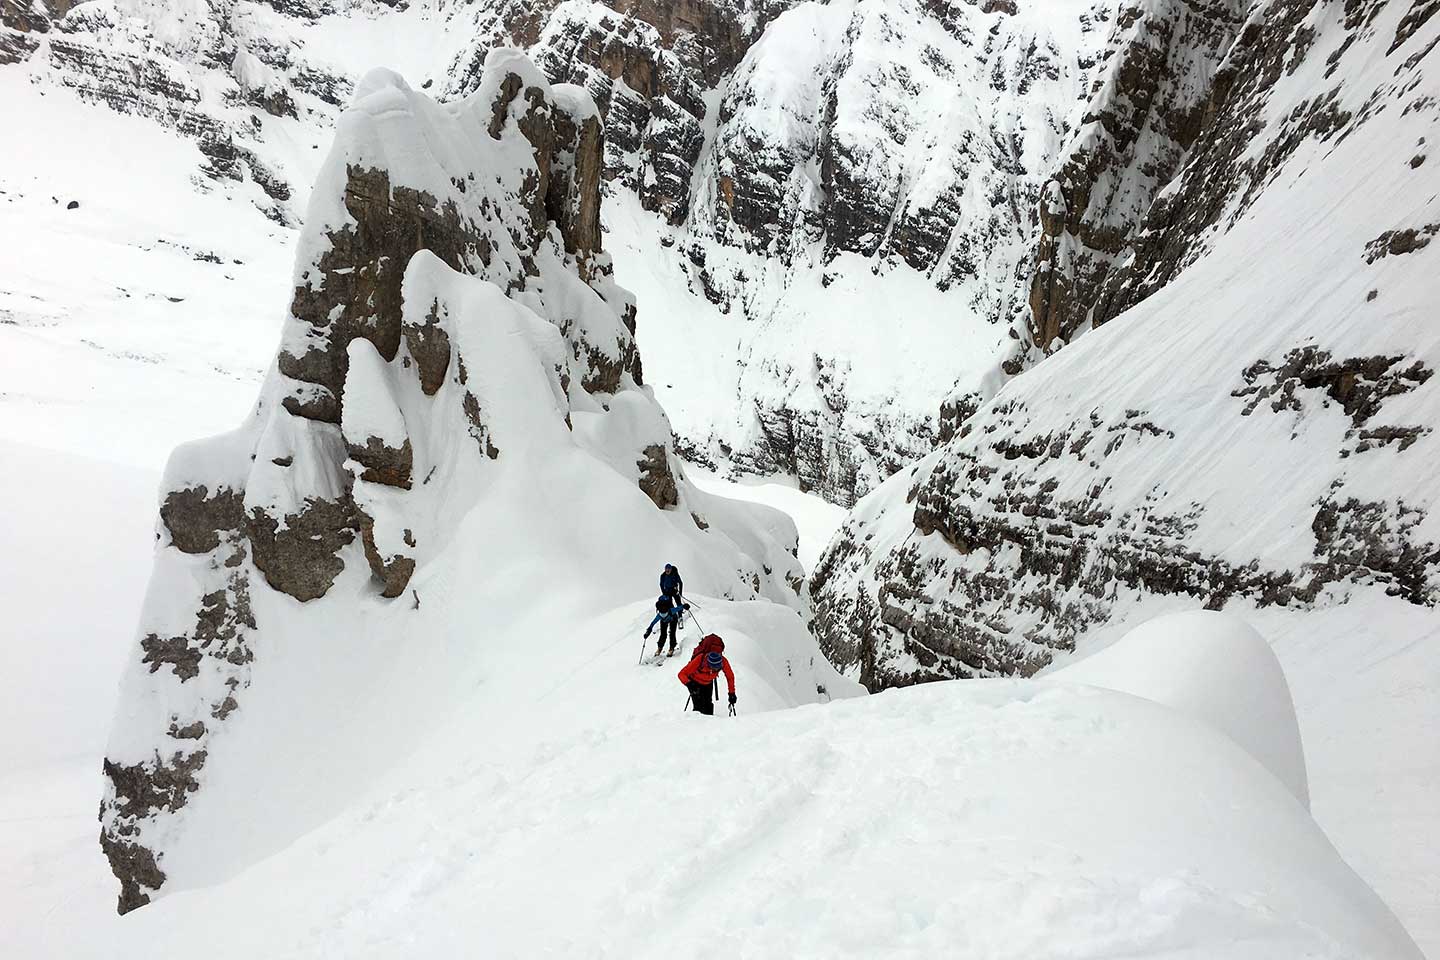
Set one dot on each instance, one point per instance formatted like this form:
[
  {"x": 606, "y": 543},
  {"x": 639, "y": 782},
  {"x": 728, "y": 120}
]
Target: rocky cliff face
[
  {"x": 227, "y": 74},
  {"x": 904, "y": 141},
  {"x": 1144, "y": 110},
  {"x": 436, "y": 238},
  {"x": 650, "y": 67},
  {"x": 808, "y": 168},
  {"x": 1253, "y": 425}
]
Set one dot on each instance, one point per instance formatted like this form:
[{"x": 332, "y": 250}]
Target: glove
[
  {"x": 732, "y": 699},
  {"x": 647, "y": 632}
]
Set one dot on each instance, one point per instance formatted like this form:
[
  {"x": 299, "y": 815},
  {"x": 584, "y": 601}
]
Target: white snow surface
[
  {"x": 1215, "y": 667},
  {"x": 816, "y": 811},
  {"x": 575, "y": 810},
  {"x": 816, "y": 520},
  {"x": 984, "y": 819}
]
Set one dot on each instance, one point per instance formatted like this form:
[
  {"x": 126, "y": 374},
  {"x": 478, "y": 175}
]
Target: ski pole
[
  {"x": 732, "y": 709},
  {"x": 687, "y": 703}
]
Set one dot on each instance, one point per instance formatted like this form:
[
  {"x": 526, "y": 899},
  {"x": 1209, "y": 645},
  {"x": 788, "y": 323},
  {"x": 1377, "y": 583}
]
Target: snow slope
[
  {"x": 815, "y": 519},
  {"x": 78, "y": 535},
  {"x": 1362, "y": 676},
  {"x": 568, "y": 806},
  {"x": 1258, "y": 432},
  {"x": 801, "y": 833}
]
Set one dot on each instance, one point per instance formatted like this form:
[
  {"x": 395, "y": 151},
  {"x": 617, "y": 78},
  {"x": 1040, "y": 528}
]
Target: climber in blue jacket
[
  {"x": 671, "y": 585},
  {"x": 667, "y": 613}
]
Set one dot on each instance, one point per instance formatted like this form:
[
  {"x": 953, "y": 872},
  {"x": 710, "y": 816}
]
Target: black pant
[
  {"x": 700, "y": 698},
  {"x": 666, "y": 625}
]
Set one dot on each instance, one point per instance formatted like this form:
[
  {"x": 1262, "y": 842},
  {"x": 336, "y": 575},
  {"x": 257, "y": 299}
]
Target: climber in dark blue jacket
[
  {"x": 671, "y": 585},
  {"x": 667, "y": 613}
]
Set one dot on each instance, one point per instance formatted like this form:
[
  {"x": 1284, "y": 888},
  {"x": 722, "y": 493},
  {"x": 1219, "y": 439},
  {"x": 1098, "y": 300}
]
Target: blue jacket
[
  {"x": 671, "y": 585},
  {"x": 673, "y": 613}
]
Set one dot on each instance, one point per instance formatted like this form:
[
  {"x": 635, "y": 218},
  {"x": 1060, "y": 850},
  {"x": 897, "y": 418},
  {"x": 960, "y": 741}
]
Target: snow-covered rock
[
  {"x": 1146, "y": 106},
  {"x": 1258, "y": 429},
  {"x": 822, "y": 177},
  {"x": 455, "y": 337},
  {"x": 865, "y": 206}
]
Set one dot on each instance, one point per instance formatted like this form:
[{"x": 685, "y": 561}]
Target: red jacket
[{"x": 698, "y": 671}]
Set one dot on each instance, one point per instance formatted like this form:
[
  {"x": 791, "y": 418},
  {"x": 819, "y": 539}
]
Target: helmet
[{"x": 714, "y": 660}]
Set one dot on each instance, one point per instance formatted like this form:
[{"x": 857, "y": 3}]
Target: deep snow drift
[
  {"x": 986, "y": 819},
  {"x": 1215, "y": 668}
]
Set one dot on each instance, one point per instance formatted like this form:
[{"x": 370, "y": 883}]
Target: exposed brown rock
[
  {"x": 429, "y": 344},
  {"x": 656, "y": 478},
  {"x": 196, "y": 520},
  {"x": 26, "y": 16},
  {"x": 1395, "y": 243},
  {"x": 361, "y": 272},
  {"x": 384, "y": 464},
  {"x": 134, "y": 866},
  {"x": 175, "y": 652},
  {"x": 303, "y": 558},
  {"x": 191, "y": 731},
  {"x": 573, "y": 199},
  {"x": 479, "y": 429},
  {"x": 139, "y": 791},
  {"x": 648, "y": 65},
  {"x": 1359, "y": 384},
  {"x": 393, "y": 572}
]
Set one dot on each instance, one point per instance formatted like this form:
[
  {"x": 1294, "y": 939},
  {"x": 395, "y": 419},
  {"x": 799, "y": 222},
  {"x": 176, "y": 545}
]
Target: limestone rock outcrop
[
  {"x": 1251, "y": 423},
  {"x": 355, "y": 462}
]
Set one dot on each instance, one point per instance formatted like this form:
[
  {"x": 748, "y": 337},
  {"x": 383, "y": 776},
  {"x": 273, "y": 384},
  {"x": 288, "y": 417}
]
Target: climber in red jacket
[{"x": 706, "y": 663}]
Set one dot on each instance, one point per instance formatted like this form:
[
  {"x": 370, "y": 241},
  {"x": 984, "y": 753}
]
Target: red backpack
[{"x": 709, "y": 644}]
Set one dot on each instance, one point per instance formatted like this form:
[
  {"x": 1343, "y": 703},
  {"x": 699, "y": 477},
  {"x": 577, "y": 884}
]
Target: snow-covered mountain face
[
  {"x": 868, "y": 209},
  {"x": 457, "y": 386},
  {"x": 1255, "y": 426}
]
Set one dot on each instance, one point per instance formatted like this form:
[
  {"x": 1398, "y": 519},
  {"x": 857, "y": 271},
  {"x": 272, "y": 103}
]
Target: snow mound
[
  {"x": 1216, "y": 668},
  {"x": 1004, "y": 819}
]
